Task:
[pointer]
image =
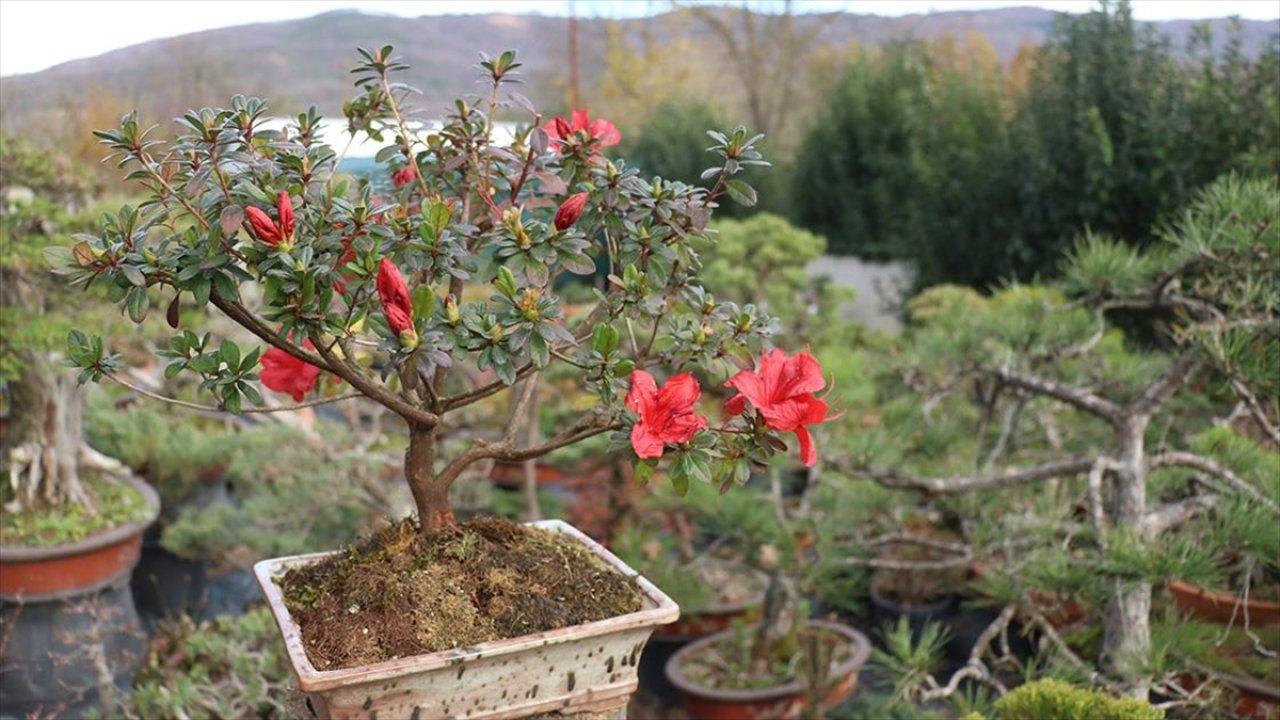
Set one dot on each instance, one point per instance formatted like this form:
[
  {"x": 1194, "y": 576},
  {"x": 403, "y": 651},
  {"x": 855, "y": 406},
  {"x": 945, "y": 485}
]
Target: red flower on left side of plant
[
  {"x": 666, "y": 416},
  {"x": 782, "y": 389},
  {"x": 287, "y": 374},
  {"x": 600, "y": 132},
  {"x": 397, "y": 305},
  {"x": 402, "y": 177}
]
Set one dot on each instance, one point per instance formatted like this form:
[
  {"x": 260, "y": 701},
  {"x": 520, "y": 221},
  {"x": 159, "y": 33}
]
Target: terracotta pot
[
  {"x": 714, "y": 618},
  {"x": 1217, "y": 606},
  {"x": 588, "y": 668},
  {"x": 1257, "y": 700},
  {"x": 35, "y": 574},
  {"x": 781, "y": 702}
]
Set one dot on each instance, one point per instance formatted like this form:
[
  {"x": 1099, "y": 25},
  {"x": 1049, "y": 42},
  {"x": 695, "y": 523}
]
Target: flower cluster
[{"x": 782, "y": 391}]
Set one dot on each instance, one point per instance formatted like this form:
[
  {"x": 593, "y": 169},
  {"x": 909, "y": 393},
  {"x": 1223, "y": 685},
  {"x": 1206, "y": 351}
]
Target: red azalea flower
[
  {"x": 666, "y": 416},
  {"x": 600, "y": 131},
  {"x": 570, "y": 210},
  {"x": 285, "y": 373},
  {"x": 396, "y": 303},
  {"x": 782, "y": 389},
  {"x": 402, "y": 177}
]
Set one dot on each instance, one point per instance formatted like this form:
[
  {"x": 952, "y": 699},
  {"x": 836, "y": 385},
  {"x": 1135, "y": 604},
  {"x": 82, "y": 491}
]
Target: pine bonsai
[
  {"x": 1118, "y": 416},
  {"x": 459, "y": 262}
]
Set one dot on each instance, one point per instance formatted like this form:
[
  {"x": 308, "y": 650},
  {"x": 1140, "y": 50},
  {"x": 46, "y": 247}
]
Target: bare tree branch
[
  {"x": 959, "y": 484},
  {"x": 1205, "y": 465},
  {"x": 1169, "y": 383},
  {"x": 1169, "y": 516},
  {"x": 1076, "y": 397}
]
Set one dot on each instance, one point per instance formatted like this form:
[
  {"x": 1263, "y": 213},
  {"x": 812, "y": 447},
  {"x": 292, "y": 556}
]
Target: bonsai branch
[
  {"x": 1205, "y": 465},
  {"x": 1075, "y": 396},
  {"x": 1169, "y": 383},
  {"x": 974, "y": 669},
  {"x": 214, "y": 408},
  {"x": 959, "y": 484}
]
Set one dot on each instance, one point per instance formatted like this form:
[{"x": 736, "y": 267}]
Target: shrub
[{"x": 1062, "y": 701}]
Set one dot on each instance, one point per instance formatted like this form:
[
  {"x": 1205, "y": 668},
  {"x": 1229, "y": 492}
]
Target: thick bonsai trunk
[
  {"x": 430, "y": 495},
  {"x": 44, "y": 438},
  {"x": 1126, "y": 640}
]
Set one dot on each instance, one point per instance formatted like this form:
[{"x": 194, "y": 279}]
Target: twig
[{"x": 214, "y": 408}]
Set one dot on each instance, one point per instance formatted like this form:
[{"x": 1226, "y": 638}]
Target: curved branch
[
  {"x": 1205, "y": 465},
  {"x": 214, "y": 408},
  {"x": 1076, "y": 397},
  {"x": 587, "y": 426},
  {"x": 945, "y": 486},
  {"x": 1169, "y": 383}
]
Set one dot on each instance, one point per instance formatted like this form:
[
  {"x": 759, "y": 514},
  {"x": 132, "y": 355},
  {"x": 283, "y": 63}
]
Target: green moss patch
[
  {"x": 400, "y": 594},
  {"x": 115, "y": 504}
]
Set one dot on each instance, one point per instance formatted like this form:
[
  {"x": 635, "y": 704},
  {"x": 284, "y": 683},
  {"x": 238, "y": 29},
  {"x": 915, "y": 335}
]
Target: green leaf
[
  {"x": 604, "y": 339},
  {"x": 741, "y": 192},
  {"x": 424, "y": 301},
  {"x": 230, "y": 353}
]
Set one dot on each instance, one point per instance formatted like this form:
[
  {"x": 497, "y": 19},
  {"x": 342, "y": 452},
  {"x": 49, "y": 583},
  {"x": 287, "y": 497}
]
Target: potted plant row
[{"x": 430, "y": 617}]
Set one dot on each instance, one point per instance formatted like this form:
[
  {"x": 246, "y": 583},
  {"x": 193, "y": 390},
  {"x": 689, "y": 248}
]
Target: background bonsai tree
[
  {"x": 459, "y": 263},
  {"x": 1114, "y": 414},
  {"x": 43, "y": 452}
]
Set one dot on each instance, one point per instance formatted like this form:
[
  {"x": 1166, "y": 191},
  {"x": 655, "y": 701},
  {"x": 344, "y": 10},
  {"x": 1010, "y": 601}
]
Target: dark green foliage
[{"x": 976, "y": 183}]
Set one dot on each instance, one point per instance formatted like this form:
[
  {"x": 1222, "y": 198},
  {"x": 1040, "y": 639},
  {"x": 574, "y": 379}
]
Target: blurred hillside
[{"x": 304, "y": 61}]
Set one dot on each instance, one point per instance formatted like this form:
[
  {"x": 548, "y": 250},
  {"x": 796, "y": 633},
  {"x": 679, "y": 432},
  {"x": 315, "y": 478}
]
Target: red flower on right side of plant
[
  {"x": 667, "y": 416},
  {"x": 601, "y": 132},
  {"x": 287, "y": 374},
  {"x": 782, "y": 389}
]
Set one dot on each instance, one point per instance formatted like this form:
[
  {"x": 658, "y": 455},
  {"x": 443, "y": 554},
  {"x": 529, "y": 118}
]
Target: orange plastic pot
[
  {"x": 35, "y": 574},
  {"x": 712, "y": 619},
  {"x": 1218, "y": 607},
  {"x": 781, "y": 702}
]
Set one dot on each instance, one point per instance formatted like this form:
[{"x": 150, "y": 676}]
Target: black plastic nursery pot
[
  {"x": 68, "y": 626},
  {"x": 886, "y": 612}
]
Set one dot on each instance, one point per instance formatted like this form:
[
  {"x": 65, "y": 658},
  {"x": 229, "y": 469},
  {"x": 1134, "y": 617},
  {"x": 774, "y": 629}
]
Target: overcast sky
[{"x": 36, "y": 34}]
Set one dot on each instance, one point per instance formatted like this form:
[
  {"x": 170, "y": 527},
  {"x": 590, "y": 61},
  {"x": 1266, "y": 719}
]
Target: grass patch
[{"x": 115, "y": 504}]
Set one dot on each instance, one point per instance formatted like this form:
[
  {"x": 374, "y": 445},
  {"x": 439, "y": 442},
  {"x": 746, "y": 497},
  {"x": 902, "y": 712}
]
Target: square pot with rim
[{"x": 587, "y": 668}]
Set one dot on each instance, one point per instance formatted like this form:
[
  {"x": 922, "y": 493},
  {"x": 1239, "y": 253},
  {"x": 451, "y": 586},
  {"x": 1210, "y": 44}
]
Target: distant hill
[{"x": 292, "y": 61}]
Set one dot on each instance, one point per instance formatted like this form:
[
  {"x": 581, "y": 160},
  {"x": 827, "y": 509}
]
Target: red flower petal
[
  {"x": 284, "y": 210},
  {"x": 287, "y": 374},
  {"x": 605, "y": 132},
  {"x": 262, "y": 225},
  {"x": 394, "y": 294},
  {"x": 808, "y": 453}
]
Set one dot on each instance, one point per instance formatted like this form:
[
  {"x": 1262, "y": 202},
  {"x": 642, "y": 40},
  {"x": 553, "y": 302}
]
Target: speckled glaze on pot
[
  {"x": 781, "y": 702},
  {"x": 588, "y": 668},
  {"x": 58, "y": 572}
]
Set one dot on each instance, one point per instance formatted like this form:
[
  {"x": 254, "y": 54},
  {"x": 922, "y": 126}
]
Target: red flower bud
[
  {"x": 570, "y": 210},
  {"x": 262, "y": 226},
  {"x": 284, "y": 210},
  {"x": 394, "y": 293}
]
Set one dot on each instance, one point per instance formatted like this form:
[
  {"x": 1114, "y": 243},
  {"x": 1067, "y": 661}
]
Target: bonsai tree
[
  {"x": 459, "y": 263},
  {"x": 1095, "y": 448},
  {"x": 42, "y": 451}
]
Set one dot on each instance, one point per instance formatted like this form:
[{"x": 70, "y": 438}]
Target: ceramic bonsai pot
[
  {"x": 588, "y": 668},
  {"x": 781, "y": 702},
  {"x": 37, "y": 574},
  {"x": 1218, "y": 607},
  {"x": 66, "y": 616}
]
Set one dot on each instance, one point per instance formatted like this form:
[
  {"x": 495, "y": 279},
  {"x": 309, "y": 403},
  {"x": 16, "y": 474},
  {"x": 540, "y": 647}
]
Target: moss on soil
[
  {"x": 115, "y": 503},
  {"x": 399, "y": 594}
]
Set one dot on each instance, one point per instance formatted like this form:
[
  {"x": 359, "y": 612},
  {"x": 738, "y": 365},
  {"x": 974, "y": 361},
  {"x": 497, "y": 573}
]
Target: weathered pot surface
[
  {"x": 37, "y": 574},
  {"x": 585, "y": 668},
  {"x": 780, "y": 702},
  {"x": 1219, "y": 607}
]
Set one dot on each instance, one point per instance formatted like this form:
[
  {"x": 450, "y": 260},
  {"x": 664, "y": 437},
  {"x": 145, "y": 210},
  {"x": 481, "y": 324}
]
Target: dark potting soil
[{"x": 400, "y": 594}]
